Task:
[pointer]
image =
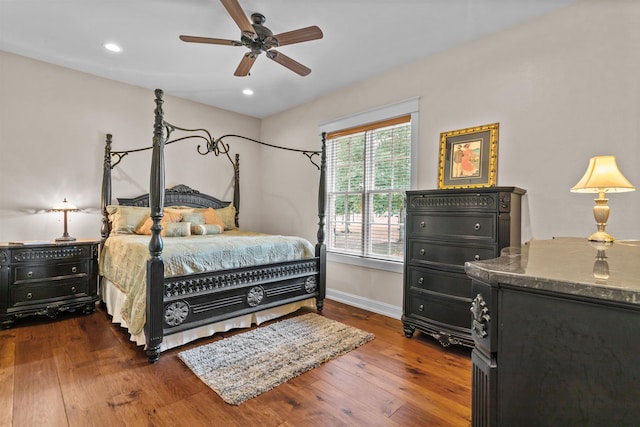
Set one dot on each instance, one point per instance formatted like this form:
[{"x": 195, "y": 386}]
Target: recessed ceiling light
[
  {"x": 247, "y": 92},
  {"x": 112, "y": 47}
]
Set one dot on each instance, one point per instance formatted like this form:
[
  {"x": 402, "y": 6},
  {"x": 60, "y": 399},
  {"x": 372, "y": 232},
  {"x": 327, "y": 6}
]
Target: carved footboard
[{"x": 196, "y": 300}]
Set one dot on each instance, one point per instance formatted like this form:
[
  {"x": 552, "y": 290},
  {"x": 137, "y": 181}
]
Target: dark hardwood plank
[
  {"x": 35, "y": 382},
  {"x": 89, "y": 373},
  {"x": 7, "y": 363}
]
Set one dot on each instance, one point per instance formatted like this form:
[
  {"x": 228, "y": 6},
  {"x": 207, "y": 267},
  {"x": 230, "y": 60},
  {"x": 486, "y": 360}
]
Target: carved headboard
[{"x": 180, "y": 195}]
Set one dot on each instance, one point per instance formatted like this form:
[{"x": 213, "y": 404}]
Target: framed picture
[{"x": 469, "y": 157}]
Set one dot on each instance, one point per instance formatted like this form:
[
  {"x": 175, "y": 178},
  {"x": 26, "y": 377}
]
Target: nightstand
[{"x": 46, "y": 278}]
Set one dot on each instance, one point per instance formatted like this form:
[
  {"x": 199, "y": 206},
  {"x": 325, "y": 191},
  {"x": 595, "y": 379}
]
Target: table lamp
[
  {"x": 65, "y": 207},
  {"x": 602, "y": 176}
]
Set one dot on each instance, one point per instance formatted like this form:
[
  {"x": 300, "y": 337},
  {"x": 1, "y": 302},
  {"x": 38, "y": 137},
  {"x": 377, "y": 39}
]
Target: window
[{"x": 369, "y": 167}]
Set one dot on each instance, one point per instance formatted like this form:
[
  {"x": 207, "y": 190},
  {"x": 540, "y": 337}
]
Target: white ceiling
[{"x": 362, "y": 38}]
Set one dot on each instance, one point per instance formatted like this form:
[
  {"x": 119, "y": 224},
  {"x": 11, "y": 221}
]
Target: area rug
[{"x": 245, "y": 365}]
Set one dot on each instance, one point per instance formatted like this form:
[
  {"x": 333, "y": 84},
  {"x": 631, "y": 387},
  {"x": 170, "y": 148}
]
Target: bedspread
[{"x": 123, "y": 260}]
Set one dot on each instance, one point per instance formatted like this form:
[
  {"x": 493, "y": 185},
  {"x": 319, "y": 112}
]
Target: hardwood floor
[{"x": 79, "y": 370}]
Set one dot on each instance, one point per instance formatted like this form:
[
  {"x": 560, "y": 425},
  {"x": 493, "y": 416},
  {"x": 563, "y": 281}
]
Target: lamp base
[
  {"x": 601, "y": 236},
  {"x": 66, "y": 238}
]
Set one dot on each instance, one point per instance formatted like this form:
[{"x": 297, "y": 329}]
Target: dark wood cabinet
[
  {"x": 46, "y": 278},
  {"x": 444, "y": 229},
  {"x": 556, "y": 335}
]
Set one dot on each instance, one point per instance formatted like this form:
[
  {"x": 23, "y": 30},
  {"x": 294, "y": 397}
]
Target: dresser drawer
[
  {"x": 441, "y": 282},
  {"x": 42, "y": 293},
  {"x": 453, "y": 254},
  {"x": 452, "y": 226},
  {"x": 457, "y": 200},
  {"x": 49, "y": 272},
  {"x": 450, "y": 312},
  {"x": 52, "y": 254}
]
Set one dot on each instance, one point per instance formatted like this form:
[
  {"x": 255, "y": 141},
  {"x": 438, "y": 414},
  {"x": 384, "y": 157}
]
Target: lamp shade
[
  {"x": 65, "y": 205},
  {"x": 603, "y": 175}
]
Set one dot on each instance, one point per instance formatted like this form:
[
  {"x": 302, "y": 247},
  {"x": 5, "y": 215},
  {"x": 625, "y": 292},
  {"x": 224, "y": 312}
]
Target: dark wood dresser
[
  {"x": 556, "y": 325},
  {"x": 446, "y": 228},
  {"x": 46, "y": 278}
]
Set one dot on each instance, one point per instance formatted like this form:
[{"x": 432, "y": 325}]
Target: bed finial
[{"x": 107, "y": 152}]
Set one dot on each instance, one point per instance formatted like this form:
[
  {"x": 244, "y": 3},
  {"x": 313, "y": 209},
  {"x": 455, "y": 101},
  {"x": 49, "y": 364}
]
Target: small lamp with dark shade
[
  {"x": 602, "y": 176},
  {"x": 65, "y": 207}
]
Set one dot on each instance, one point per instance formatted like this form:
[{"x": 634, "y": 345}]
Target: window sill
[{"x": 378, "y": 264}]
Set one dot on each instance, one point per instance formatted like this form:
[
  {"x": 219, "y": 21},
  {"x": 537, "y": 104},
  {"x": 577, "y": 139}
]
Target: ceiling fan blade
[
  {"x": 283, "y": 59},
  {"x": 297, "y": 36},
  {"x": 195, "y": 39},
  {"x": 238, "y": 15},
  {"x": 245, "y": 65}
]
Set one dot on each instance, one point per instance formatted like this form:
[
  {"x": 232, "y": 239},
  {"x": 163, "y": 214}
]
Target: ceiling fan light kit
[{"x": 258, "y": 38}]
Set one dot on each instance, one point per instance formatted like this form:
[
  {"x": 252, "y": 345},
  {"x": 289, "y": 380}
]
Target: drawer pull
[
  {"x": 422, "y": 224},
  {"x": 422, "y": 251},
  {"x": 73, "y": 289},
  {"x": 30, "y": 274},
  {"x": 421, "y": 307},
  {"x": 476, "y": 258},
  {"x": 476, "y": 227},
  {"x": 74, "y": 269},
  {"x": 29, "y": 295},
  {"x": 421, "y": 280}
]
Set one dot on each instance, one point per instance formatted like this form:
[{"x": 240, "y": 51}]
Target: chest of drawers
[
  {"x": 446, "y": 228},
  {"x": 47, "y": 278}
]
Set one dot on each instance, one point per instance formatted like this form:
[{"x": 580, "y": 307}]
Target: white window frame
[{"x": 402, "y": 108}]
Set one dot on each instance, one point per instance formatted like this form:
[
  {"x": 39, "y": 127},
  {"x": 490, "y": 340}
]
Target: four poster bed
[{"x": 175, "y": 266}]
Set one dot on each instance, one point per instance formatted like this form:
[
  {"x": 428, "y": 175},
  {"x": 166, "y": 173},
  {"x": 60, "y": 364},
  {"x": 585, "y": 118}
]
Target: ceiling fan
[{"x": 259, "y": 38}]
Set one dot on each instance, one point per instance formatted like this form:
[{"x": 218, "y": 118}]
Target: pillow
[
  {"x": 193, "y": 217},
  {"x": 177, "y": 229},
  {"x": 228, "y": 216},
  {"x": 126, "y": 219},
  {"x": 212, "y": 217},
  {"x": 202, "y": 229},
  {"x": 198, "y": 215},
  {"x": 198, "y": 229},
  {"x": 178, "y": 209},
  {"x": 168, "y": 217}
]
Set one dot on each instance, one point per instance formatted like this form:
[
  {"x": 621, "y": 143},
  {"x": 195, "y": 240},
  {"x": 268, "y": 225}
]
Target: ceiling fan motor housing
[{"x": 263, "y": 40}]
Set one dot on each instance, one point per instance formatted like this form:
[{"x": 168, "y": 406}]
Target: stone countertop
[{"x": 567, "y": 265}]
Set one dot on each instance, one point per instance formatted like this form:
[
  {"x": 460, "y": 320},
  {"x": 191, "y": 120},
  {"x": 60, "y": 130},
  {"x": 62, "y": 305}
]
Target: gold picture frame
[{"x": 469, "y": 157}]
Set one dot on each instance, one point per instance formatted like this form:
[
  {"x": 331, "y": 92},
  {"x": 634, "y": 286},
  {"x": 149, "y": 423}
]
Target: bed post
[
  {"x": 321, "y": 250},
  {"x": 236, "y": 189},
  {"x": 105, "y": 198},
  {"x": 155, "y": 265}
]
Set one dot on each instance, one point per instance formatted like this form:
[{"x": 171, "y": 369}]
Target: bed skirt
[{"x": 114, "y": 299}]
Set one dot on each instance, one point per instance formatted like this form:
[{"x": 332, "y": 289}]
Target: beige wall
[
  {"x": 563, "y": 87},
  {"x": 53, "y": 123}
]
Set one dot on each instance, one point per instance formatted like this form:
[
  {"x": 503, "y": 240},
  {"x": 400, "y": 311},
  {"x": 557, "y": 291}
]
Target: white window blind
[{"x": 369, "y": 169}]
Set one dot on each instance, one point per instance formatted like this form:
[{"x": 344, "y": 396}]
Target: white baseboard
[{"x": 365, "y": 303}]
